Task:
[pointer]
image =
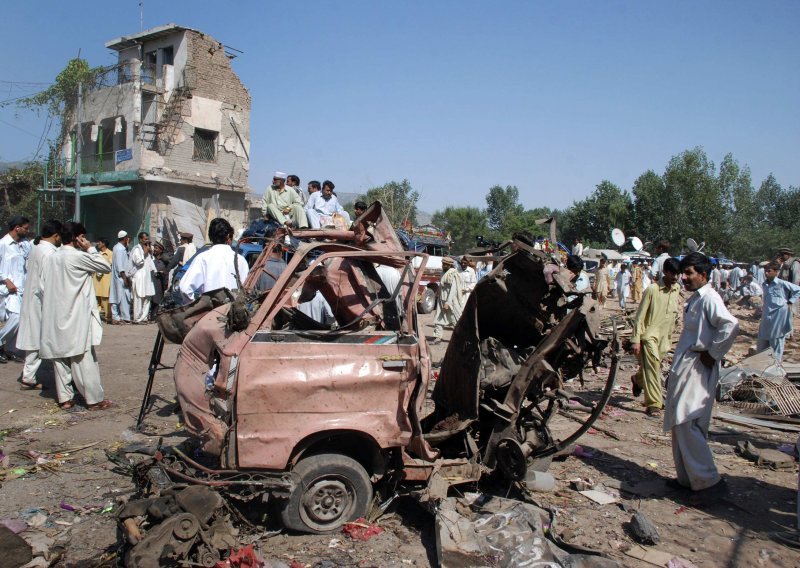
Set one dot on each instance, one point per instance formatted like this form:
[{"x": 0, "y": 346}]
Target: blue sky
[{"x": 457, "y": 96}]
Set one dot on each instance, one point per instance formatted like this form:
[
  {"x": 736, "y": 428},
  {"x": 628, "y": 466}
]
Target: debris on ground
[
  {"x": 360, "y": 529},
  {"x": 642, "y": 530},
  {"x": 481, "y": 530}
]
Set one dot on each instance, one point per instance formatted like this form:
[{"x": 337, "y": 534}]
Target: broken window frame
[
  {"x": 294, "y": 277},
  {"x": 205, "y": 146}
]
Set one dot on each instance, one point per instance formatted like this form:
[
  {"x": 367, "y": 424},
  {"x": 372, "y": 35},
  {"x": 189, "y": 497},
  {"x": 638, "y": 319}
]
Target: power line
[{"x": 18, "y": 128}]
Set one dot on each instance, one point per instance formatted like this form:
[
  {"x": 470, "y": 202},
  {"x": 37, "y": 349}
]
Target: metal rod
[{"x": 79, "y": 145}]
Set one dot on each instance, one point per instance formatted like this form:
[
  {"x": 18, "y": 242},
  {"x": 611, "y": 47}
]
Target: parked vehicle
[{"x": 435, "y": 243}]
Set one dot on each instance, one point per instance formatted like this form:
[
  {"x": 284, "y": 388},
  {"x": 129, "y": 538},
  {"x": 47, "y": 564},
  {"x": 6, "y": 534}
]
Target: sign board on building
[{"x": 124, "y": 155}]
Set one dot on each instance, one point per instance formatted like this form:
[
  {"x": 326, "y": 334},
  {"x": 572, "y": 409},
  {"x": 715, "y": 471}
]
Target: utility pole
[{"x": 78, "y": 150}]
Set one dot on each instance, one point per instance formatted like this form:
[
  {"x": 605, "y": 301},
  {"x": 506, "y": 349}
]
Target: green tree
[
  {"x": 463, "y": 224},
  {"x": 699, "y": 210},
  {"x": 502, "y": 207},
  {"x": 652, "y": 207},
  {"x": 60, "y": 99},
  {"x": 592, "y": 219},
  {"x": 399, "y": 201},
  {"x": 18, "y": 195}
]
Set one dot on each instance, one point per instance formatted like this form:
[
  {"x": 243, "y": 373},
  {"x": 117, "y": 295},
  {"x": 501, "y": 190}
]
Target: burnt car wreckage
[{"x": 317, "y": 421}]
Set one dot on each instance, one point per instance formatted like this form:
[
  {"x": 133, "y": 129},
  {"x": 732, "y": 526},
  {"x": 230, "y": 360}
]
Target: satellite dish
[
  {"x": 637, "y": 243},
  {"x": 618, "y": 237},
  {"x": 692, "y": 245}
]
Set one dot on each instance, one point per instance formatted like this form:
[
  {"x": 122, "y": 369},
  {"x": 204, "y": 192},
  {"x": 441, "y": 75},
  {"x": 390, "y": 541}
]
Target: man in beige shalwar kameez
[
  {"x": 451, "y": 301},
  {"x": 71, "y": 324}
]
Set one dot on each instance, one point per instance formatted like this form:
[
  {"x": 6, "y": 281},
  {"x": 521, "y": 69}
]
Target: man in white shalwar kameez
[
  {"x": 776, "y": 317},
  {"x": 71, "y": 325},
  {"x": 13, "y": 257},
  {"x": 140, "y": 271},
  {"x": 214, "y": 269},
  {"x": 119, "y": 295},
  {"x": 30, "y": 324},
  {"x": 323, "y": 205},
  {"x": 451, "y": 300},
  {"x": 708, "y": 333}
]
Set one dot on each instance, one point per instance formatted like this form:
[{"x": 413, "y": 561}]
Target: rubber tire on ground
[
  {"x": 427, "y": 302},
  {"x": 327, "y": 474}
]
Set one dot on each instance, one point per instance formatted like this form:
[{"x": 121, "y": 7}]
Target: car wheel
[
  {"x": 332, "y": 490},
  {"x": 427, "y": 302}
]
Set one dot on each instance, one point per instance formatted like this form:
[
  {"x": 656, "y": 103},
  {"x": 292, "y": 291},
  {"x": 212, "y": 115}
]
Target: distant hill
[{"x": 5, "y": 166}]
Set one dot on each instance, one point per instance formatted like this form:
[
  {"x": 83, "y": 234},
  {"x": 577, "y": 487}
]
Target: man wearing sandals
[
  {"x": 71, "y": 324},
  {"x": 709, "y": 331}
]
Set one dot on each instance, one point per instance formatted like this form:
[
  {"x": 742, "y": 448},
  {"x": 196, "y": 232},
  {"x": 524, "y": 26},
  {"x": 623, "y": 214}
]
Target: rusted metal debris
[{"x": 325, "y": 415}]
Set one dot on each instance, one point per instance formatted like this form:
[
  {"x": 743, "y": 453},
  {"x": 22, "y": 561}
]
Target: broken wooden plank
[{"x": 761, "y": 423}]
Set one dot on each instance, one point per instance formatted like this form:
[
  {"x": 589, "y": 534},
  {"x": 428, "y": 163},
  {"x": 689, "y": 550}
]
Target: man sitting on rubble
[
  {"x": 323, "y": 205},
  {"x": 751, "y": 293},
  {"x": 282, "y": 204}
]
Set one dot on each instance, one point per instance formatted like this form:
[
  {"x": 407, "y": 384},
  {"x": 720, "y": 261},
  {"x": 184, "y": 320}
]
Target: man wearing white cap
[
  {"x": 120, "y": 294},
  {"x": 282, "y": 204}
]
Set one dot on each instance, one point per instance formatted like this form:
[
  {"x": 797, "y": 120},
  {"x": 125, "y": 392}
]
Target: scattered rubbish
[
  {"x": 16, "y": 525},
  {"x": 510, "y": 533},
  {"x": 581, "y": 452},
  {"x": 35, "y": 518},
  {"x": 360, "y": 529},
  {"x": 540, "y": 481},
  {"x": 580, "y": 484},
  {"x": 654, "y": 465},
  {"x": 243, "y": 558},
  {"x": 765, "y": 457},
  {"x": 678, "y": 562},
  {"x": 642, "y": 530},
  {"x": 600, "y": 497},
  {"x": 681, "y": 509},
  {"x": 650, "y": 555},
  {"x": 790, "y": 449}
]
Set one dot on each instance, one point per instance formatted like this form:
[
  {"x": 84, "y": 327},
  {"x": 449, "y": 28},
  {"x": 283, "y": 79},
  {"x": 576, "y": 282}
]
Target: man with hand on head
[{"x": 71, "y": 326}]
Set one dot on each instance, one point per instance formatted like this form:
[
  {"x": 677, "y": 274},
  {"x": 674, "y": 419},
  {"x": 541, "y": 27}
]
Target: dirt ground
[{"x": 58, "y": 479}]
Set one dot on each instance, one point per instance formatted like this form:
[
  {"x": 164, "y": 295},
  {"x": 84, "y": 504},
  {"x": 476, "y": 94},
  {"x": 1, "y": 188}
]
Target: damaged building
[{"x": 165, "y": 139}]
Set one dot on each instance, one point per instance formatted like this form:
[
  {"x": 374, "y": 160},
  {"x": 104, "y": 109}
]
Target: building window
[{"x": 205, "y": 145}]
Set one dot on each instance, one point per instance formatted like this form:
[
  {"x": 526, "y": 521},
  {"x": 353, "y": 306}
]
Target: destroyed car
[{"x": 323, "y": 413}]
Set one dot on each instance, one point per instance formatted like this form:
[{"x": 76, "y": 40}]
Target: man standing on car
[{"x": 709, "y": 331}]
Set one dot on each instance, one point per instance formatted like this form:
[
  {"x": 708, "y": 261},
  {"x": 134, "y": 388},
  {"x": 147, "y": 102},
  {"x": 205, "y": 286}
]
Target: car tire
[
  {"x": 333, "y": 489},
  {"x": 427, "y": 302}
]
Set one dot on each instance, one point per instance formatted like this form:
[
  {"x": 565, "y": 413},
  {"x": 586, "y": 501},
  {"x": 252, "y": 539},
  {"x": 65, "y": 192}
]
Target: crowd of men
[
  {"x": 286, "y": 203},
  {"x": 57, "y": 290},
  {"x": 50, "y": 310},
  {"x": 709, "y": 330}
]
